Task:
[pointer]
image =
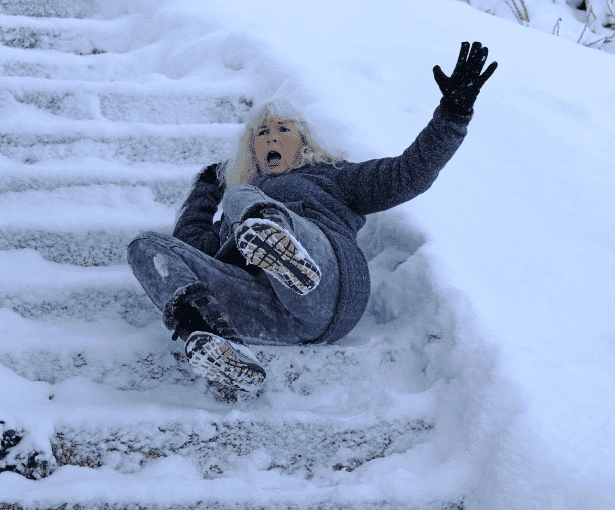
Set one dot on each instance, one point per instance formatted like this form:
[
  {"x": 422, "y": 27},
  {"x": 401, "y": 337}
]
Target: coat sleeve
[
  {"x": 379, "y": 184},
  {"x": 195, "y": 223}
]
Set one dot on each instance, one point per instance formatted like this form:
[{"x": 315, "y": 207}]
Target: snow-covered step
[
  {"x": 219, "y": 503},
  {"x": 56, "y": 65},
  {"x": 96, "y": 204},
  {"x": 163, "y": 101},
  {"x": 154, "y": 85},
  {"x": 132, "y": 104},
  {"x": 87, "y": 248},
  {"x": 220, "y": 494},
  {"x": 167, "y": 181},
  {"x": 196, "y": 144},
  {"x": 34, "y": 287},
  {"x": 90, "y": 303},
  {"x": 85, "y": 213},
  {"x": 92, "y": 248},
  {"x": 49, "y": 8},
  {"x": 87, "y": 225},
  {"x": 165, "y": 191},
  {"x": 288, "y": 446},
  {"x": 82, "y": 37},
  {"x": 50, "y": 64},
  {"x": 143, "y": 108},
  {"x": 175, "y": 109}
]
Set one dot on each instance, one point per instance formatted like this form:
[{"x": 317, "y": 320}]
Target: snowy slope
[
  {"x": 481, "y": 375},
  {"x": 586, "y": 22}
]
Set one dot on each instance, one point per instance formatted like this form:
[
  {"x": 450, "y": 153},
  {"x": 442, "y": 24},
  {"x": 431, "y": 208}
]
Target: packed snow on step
[{"x": 490, "y": 318}]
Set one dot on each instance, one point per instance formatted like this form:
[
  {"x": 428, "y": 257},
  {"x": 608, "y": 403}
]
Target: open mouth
[{"x": 273, "y": 157}]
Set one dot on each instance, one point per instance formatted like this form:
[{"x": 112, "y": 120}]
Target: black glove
[
  {"x": 209, "y": 174},
  {"x": 461, "y": 89}
]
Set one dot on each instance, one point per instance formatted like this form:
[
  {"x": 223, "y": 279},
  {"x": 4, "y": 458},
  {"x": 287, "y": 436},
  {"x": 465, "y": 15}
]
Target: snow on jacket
[{"x": 337, "y": 200}]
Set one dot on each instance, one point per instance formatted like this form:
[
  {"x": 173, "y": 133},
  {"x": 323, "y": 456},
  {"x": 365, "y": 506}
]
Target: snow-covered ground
[
  {"x": 587, "y": 22},
  {"x": 482, "y": 375}
]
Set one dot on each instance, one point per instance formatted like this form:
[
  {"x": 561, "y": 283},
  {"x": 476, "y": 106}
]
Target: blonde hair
[{"x": 243, "y": 162}]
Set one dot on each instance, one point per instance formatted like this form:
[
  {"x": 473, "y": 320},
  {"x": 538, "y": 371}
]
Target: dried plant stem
[
  {"x": 517, "y": 12},
  {"x": 556, "y": 27},
  {"x": 606, "y": 38},
  {"x": 609, "y": 4},
  {"x": 527, "y": 16},
  {"x": 589, "y": 13}
]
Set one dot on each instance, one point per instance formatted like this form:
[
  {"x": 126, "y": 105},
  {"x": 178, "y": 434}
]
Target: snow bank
[{"x": 519, "y": 223}]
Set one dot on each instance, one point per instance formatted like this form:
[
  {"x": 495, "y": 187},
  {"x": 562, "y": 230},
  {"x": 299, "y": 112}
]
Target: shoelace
[
  {"x": 271, "y": 214},
  {"x": 215, "y": 319},
  {"x": 276, "y": 216}
]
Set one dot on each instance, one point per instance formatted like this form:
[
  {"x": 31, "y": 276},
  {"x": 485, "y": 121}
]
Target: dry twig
[
  {"x": 589, "y": 13},
  {"x": 608, "y": 4},
  {"x": 521, "y": 16},
  {"x": 557, "y": 27},
  {"x": 605, "y": 39}
]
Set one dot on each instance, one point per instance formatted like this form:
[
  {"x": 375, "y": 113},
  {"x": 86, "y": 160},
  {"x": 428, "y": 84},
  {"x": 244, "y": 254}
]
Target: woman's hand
[{"x": 461, "y": 89}]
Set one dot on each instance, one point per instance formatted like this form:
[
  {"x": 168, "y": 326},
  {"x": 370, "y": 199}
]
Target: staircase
[{"x": 102, "y": 409}]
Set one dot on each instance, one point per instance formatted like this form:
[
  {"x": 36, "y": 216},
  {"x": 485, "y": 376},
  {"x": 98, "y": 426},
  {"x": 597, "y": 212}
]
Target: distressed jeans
[{"x": 261, "y": 308}]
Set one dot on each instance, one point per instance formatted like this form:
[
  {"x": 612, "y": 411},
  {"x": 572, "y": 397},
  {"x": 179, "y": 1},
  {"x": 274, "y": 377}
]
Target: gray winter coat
[{"x": 337, "y": 201}]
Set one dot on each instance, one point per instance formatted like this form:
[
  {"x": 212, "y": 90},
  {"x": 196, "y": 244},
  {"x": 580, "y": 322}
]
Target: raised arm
[
  {"x": 195, "y": 223},
  {"x": 379, "y": 184}
]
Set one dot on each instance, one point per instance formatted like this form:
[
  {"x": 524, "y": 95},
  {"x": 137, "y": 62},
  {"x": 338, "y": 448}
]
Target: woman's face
[{"x": 277, "y": 145}]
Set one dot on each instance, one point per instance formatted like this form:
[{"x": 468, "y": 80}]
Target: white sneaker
[
  {"x": 274, "y": 249},
  {"x": 220, "y": 360}
]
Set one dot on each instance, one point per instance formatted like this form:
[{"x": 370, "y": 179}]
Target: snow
[
  {"x": 161, "y": 265},
  {"x": 84, "y": 208},
  {"x": 491, "y": 308}
]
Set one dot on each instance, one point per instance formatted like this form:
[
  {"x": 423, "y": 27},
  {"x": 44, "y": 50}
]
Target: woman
[{"x": 282, "y": 265}]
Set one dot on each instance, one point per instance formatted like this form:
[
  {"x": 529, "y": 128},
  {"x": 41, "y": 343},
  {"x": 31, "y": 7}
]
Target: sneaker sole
[
  {"x": 214, "y": 358},
  {"x": 267, "y": 245}
]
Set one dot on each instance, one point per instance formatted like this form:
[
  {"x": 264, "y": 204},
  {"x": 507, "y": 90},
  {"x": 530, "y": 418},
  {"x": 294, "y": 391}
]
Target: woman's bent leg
[
  {"x": 164, "y": 265},
  {"x": 315, "y": 310}
]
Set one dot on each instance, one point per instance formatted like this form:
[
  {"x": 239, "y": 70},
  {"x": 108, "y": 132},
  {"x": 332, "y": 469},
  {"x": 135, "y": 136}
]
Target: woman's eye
[
  {"x": 260, "y": 133},
  {"x": 283, "y": 128}
]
